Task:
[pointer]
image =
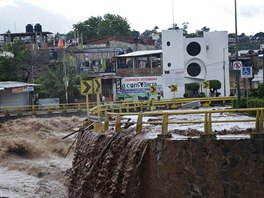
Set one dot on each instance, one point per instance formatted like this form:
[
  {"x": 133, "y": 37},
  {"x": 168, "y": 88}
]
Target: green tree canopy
[
  {"x": 15, "y": 68},
  {"x": 98, "y": 27}
]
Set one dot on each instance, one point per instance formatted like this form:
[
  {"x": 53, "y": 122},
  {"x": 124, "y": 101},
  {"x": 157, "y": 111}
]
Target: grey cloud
[{"x": 15, "y": 18}]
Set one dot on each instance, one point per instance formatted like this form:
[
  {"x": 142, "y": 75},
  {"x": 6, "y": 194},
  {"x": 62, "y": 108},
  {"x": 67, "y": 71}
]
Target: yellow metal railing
[
  {"x": 118, "y": 106},
  {"x": 165, "y": 119}
]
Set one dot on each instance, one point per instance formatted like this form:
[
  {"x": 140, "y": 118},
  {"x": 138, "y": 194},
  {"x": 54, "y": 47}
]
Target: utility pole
[{"x": 238, "y": 71}]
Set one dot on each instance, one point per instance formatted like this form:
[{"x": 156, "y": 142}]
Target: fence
[{"x": 165, "y": 121}]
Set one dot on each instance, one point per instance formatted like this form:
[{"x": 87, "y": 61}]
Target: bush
[
  {"x": 260, "y": 91},
  {"x": 202, "y": 94},
  {"x": 193, "y": 86},
  {"x": 185, "y": 95},
  {"x": 214, "y": 84}
]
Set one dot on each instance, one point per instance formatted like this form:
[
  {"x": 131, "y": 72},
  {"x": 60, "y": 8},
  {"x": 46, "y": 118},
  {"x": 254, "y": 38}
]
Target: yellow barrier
[
  {"x": 164, "y": 122},
  {"x": 118, "y": 106}
]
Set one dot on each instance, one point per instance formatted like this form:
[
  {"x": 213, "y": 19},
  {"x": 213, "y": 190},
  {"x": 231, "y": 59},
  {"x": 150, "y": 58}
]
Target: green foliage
[
  {"x": 15, "y": 68},
  {"x": 253, "y": 93},
  {"x": 99, "y": 27},
  {"x": 202, "y": 95},
  {"x": 260, "y": 91},
  {"x": 113, "y": 25},
  {"x": 53, "y": 83},
  {"x": 252, "y": 103},
  {"x": 215, "y": 84},
  {"x": 193, "y": 86}
]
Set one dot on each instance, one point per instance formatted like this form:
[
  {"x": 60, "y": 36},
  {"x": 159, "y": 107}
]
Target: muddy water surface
[{"x": 32, "y": 156}]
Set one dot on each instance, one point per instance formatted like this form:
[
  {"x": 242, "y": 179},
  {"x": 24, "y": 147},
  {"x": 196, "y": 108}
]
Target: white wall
[{"x": 210, "y": 57}]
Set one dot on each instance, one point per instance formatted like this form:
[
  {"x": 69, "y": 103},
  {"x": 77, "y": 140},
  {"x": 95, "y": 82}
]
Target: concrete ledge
[
  {"x": 206, "y": 137},
  {"x": 257, "y": 135},
  {"x": 161, "y": 136}
]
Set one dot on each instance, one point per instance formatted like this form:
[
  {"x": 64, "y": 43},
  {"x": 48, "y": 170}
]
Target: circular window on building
[
  {"x": 168, "y": 43},
  {"x": 169, "y": 64},
  {"x": 193, "y": 69},
  {"x": 193, "y": 48}
]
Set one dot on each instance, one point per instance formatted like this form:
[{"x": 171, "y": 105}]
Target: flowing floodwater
[
  {"x": 32, "y": 156},
  {"x": 33, "y": 162}
]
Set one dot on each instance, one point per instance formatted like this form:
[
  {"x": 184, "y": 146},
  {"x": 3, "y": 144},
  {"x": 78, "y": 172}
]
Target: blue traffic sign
[{"x": 246, "y": 72}]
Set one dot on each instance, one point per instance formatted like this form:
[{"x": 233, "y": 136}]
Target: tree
[
  {"x": 89, "y": 28},
  {"x": 98, "y": 27},
  {"x": 147, "y": 34},
  {"x": 53, "y": 83},
  {"x": 15, "y": 68},
  {"x": 194, "y": 87},
  {"x": 135, "y": 34},
  {"x": 113, "y": 25},
  {"x": 205, "y": 29},
  {"x": 214, "y": 85}
]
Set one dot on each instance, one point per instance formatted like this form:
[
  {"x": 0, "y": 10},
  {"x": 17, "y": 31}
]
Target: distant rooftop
[{"x": 13, "y": 84}]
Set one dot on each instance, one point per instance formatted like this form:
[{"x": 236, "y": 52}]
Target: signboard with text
[{"x": 138, "y": 88}]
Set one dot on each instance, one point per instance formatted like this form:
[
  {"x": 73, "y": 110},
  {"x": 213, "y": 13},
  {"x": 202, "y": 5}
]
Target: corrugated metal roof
[
  {"x": 141, "y": 53},
  {"x": 13, "y": 84}
]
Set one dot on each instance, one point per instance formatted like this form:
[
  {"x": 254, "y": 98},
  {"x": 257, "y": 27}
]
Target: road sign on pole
[
  {"x": 97, "y": 85},
  {"x": 206, "y": 84},
  {"x": 173, "y": 88},
  {"x": 246, "y": 72},
  {"x": 153, "y": 89},
  {"x": 237, "y": 65},
  {"x": 86, "y": 87}
]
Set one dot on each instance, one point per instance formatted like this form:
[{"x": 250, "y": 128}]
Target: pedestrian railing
[{"x": 117, "y": 119}]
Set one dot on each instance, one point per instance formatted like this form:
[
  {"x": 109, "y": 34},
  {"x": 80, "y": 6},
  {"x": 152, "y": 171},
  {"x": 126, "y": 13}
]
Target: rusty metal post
[
  {"x": 106, "y": 122},
  {"x": 209, "y": 123},
  {"x": 139, "y": 123},
  {"x": 261, "y": 121},
  {"x": 118, "y": 123},
  {"x": 164, "y": 124},
  {"x": 257, "y": 121},
  {"x": 206, "y": 123}
]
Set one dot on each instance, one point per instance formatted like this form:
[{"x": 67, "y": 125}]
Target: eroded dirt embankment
[{"x": 128, "y": 165}]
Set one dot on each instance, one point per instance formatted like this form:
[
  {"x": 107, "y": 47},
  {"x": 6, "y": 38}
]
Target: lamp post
[{"x": 237, "y": 72}]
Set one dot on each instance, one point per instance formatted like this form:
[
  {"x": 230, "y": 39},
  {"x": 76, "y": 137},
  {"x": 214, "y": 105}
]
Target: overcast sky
[{"x": 60, "y": 15}]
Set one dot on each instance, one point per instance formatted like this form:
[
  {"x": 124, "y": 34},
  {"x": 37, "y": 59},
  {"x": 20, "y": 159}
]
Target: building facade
[{"x": 198, "y": 59}]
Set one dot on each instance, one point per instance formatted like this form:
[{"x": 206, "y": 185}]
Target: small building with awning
[{"x": 16, "y": 93}]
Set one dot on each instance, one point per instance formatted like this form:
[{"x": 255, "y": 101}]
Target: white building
[
  {"x": 15, "y": 93},
  {"x": 198, "y": 59}
]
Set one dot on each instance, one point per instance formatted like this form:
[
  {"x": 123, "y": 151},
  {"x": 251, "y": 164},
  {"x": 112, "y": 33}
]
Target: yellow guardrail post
[
  {"x": 120, "y": 108},
  {"x": 164, "y": 124},
  {"x": 106, "y": 122},
  {"x": 139, "y": 123},
  {"x": 127, "y": 108},
  {"x": 19, "y": 110},
  {"x": 33, "y": 109},
  {"x": 79, "y": 106},
  {"x": 64, "y": 107},
  {"x": 257, "y": 121},
  {"x": 135, "y": 107},
  {"x": 118, "y": 123}
]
